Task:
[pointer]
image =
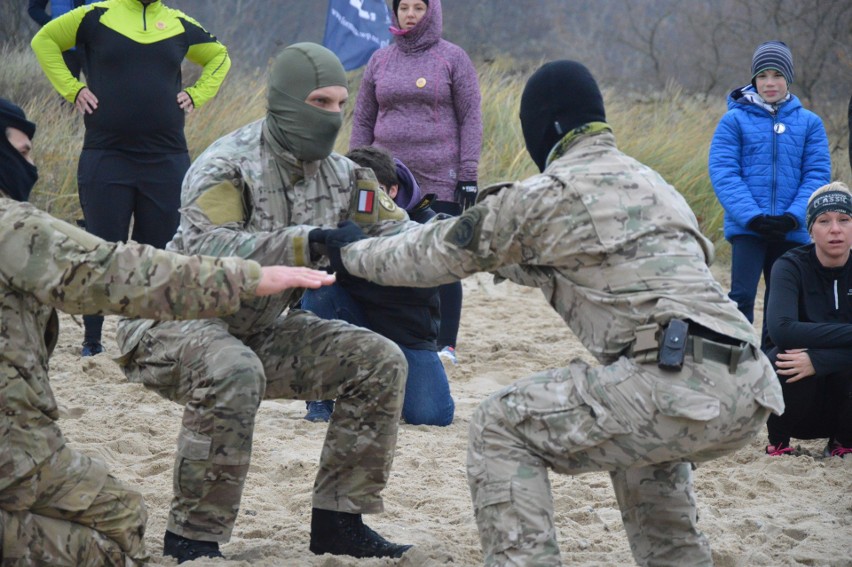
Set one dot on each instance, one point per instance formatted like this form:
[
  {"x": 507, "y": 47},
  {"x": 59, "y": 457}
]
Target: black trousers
[
  {"x": 451, "y": 293},
  {"x": 816, "y": 407},
  {"x": 116, "y": 187}
]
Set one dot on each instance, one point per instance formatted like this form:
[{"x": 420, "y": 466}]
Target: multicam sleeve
[
  {"x": 442, "y": 251},
  {"x": 214, "y": 218},
  {"x": 72, "y": 270}
]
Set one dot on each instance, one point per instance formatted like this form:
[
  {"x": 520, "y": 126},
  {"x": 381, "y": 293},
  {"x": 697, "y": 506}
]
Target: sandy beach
[{"x": 756, "y": 510}]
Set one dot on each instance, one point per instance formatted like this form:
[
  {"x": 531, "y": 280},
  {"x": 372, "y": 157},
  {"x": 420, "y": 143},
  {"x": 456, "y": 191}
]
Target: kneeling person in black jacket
[
  {"x": 408, "y": 316},
  {"x": 810, "y": 320}
]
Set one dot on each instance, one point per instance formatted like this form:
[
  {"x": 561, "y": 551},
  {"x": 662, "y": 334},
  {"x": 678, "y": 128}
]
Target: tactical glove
[
  {"x": 465, "y": 193},
  {"x": 335, "y": 239}
]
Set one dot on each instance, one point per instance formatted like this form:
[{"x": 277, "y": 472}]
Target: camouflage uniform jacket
[
  {"x": 243, "y": 198},
  {"x": 50, "y": 264},
  {"x": 611, "y": 245}
]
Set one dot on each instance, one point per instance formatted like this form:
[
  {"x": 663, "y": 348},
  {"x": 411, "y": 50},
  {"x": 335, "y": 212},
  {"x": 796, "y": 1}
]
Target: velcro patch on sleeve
[
  {"x": 466, "y": 230},
  {"x": 222, "y": 203},
  {"x": 366, "y": 201}
]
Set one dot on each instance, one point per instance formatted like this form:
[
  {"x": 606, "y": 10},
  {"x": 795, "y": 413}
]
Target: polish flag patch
[{"x": 366, "y": 201}]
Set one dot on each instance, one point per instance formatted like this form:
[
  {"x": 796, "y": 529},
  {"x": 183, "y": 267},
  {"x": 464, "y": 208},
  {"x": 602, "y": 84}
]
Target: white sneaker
[{"x": 448, "y": 354}]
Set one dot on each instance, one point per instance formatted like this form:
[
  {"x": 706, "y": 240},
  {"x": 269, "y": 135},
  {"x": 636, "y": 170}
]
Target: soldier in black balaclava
[{"x": 18, "y": 173}]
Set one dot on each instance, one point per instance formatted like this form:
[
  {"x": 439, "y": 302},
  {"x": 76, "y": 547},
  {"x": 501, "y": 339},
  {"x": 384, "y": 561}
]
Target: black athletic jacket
[
  {"x": 810, "y": 306},
  {"x": 132, "y": 63}
]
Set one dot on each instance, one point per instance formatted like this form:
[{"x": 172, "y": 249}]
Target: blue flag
[{"x": 354, "y": 29}]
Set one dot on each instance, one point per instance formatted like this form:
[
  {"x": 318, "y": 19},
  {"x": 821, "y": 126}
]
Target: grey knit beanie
[{"x": 773, "y": 55}]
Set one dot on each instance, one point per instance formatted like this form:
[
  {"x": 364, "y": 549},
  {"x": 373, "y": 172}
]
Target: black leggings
[
  {"x": 451, "y": 293},
  {"x": 817, "y": 407},
  {"x": 115, "y": 186}
]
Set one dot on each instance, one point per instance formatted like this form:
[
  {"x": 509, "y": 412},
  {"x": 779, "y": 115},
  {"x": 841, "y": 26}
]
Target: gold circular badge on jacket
[
  {"x": 421, "y": 82},
  {"x": 161, "y": 25},
  {"x": 386, "y": 201}
]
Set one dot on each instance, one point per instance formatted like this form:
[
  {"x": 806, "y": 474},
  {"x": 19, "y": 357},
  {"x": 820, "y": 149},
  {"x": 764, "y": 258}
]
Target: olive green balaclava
[{"x": 307, "y": 131}]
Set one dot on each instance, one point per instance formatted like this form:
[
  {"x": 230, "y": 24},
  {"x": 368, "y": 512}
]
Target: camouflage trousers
[
  {"x": 642, "y": 424},
  {"x": 221, "y": 379},
  {"x": 70, "y": 512}
]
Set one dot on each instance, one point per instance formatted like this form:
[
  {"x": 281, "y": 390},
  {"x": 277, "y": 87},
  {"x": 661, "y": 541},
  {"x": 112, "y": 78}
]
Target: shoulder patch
[
  {"x": 466, "y": 230},
  {"x": 222, "y": 203}
]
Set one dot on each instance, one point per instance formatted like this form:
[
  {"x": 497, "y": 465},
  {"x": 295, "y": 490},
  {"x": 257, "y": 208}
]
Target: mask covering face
[
  {"x": 560, "y": 96},
  {"x": 306, "y": 131},
  {"x": 17, "y": 175}
]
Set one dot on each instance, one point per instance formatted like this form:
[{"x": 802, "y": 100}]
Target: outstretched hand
[{"x": 275, "y": 279}]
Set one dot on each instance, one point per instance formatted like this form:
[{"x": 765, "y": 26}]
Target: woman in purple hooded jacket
[{"x": 420, "y": 100}]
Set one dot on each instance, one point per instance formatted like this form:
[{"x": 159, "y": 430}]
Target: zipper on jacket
[
  {"x": 774, "y": 164},
  {"x": 144, "y": 17},
  {"x": 836, "y": 298}
]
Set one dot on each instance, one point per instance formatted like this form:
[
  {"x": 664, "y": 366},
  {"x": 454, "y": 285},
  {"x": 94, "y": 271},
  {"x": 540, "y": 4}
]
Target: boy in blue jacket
[{"x": 768, "y": 155}]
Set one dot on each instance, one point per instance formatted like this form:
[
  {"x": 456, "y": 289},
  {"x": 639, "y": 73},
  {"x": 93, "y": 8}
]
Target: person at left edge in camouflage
[
  {"x": 60, "y": 507},
  {"x": 619, "y": 255},
  {"x": 268, "y": 191}
]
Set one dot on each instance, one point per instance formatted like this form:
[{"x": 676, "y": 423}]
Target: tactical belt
[{"x": 731, "y": 352}]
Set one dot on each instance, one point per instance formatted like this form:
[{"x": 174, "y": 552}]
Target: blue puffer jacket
[{"x": 762, "y": 164}]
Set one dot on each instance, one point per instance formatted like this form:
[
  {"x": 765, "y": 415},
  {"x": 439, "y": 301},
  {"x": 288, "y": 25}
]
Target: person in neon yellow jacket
[{"x": 134, "y": 153}]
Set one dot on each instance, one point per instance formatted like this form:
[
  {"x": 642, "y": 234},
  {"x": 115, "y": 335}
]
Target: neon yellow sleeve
[
  {"x": 213, "y": 56},
  {"x": 58, "y": 35}
]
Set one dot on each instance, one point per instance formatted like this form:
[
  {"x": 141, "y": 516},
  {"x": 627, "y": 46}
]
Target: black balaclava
[
  {"x": 558, "y": 97},
  {"x": 307, "y": 131},
  {"x": 17, "y": 175}
]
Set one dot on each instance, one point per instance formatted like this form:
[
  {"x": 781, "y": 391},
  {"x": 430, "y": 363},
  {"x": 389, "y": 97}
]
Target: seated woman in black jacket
[{"x": 810, "y": 321}]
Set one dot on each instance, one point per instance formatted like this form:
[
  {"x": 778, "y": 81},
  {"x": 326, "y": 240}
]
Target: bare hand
[
  {"x": 185, "y": 102},
  {"x": 795, "y": 364},
  {"x": 86, "y": 102},
  {"x": 275, "y": 279}
]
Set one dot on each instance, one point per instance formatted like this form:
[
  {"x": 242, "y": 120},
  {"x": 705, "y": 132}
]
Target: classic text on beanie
[{"x": 834, "y": 201}]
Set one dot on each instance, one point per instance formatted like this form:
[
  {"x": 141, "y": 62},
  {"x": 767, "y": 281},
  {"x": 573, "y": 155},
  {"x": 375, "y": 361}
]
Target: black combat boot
[
  {"x": 184, "y": 549},
  {"x": 340, "y": 533}
]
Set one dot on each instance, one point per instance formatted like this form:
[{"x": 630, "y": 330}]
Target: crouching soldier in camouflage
[
  {"x": 265, "y": 192},
  {"x": 60, "y": 507},
  {"x": 618, "y": 254}
]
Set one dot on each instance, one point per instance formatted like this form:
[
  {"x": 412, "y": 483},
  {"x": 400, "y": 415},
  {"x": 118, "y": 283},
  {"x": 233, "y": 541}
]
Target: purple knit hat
[{"x": 408, "y": 194}]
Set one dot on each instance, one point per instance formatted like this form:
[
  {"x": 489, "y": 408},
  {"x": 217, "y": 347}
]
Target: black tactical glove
[
  {"x": 465, "y": 193},
  {"x": 316, "y": 243},
  {"x": 335, "y": 239}
]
